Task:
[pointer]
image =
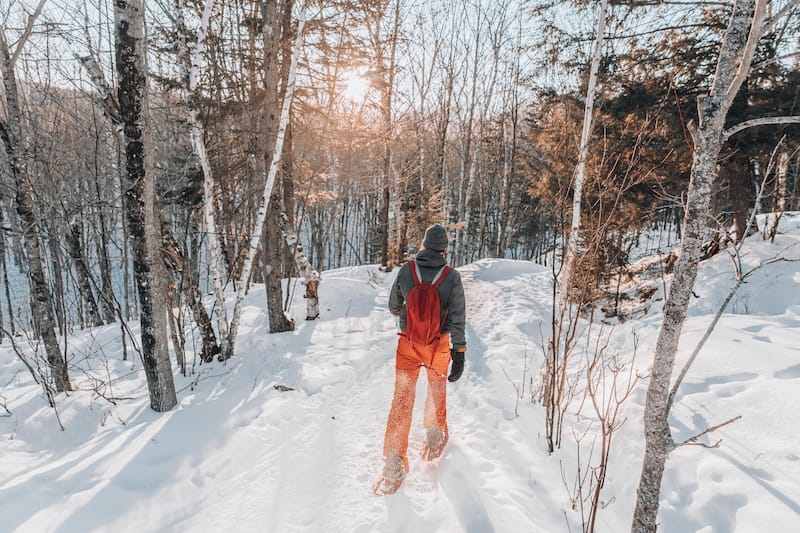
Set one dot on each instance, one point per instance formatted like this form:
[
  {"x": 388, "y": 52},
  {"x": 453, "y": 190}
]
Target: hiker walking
[{"x": 428, "y": 297}]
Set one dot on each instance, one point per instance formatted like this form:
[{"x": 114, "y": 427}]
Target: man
[{"x": 429, "y": 275}]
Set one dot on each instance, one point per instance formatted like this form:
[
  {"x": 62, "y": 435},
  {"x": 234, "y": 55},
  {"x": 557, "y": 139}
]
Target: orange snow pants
[{"x": 410, "y": 359}]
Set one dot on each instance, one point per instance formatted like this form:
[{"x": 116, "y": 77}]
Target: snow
[{"x": 237, "y": 454}]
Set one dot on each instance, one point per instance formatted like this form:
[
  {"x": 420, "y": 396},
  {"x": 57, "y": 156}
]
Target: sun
[{"x": 355, "y": 86}]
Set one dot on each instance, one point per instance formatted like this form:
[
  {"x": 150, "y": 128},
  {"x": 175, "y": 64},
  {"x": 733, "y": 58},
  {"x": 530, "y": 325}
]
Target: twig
[
  {"x": 199, "y": 379},
  {"x": 517, "y": 395},
  {"x": 692, "y": 441},
  {"x": 4, "y": 406},
  {"x": 741, "y": 278},
  {"x": 19, "y": 353},
  {"x": 27, "y": 32},
  {"x": 39, "y": 377}
]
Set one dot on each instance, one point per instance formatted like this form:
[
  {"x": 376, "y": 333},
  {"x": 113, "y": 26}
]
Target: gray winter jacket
[{"x": 451, "y": 295}]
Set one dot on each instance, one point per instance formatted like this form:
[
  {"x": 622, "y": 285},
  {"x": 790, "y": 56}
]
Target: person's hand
[{"x": 458, "y": 365}]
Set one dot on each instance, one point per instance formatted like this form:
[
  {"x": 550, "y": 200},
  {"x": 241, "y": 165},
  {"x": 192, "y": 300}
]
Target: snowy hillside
[{"x": 237, "y": 454}]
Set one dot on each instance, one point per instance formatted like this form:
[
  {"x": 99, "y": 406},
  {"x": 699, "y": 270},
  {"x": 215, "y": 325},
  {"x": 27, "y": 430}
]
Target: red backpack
[{"x": 423, "y": 308}]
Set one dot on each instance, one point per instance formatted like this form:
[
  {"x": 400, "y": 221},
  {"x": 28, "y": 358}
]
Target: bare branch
[
  {"x": 749, "y": 51},
  {"x": 693, "y": 440},
  {"x": 109, "y": 101},
  {"x": 27, "y": 32},
  {"x": 692, "y": 128},
  {"x": 774, "y": 60},
  {"x": 770, "y": 24},
  {"x": 733, "y": 130}
]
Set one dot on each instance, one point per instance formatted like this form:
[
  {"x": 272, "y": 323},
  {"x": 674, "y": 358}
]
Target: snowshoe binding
[
  {"x": 435, "y": 441},
  {"x": 394, "y": 472}
]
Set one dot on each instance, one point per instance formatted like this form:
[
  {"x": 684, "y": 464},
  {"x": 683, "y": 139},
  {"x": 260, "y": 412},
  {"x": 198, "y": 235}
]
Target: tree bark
[
  {"x": 780, "y": 193},
  {"x": 209, "y": 187},
  {"x": 311, "y": 277},
  {"x": 41, "y": 298},
  {"x": 278, "y": 43},
  {"x": 139, "y": 199},
  {"x": 732, "y": 66},
  {"x": 257, "y": 227},
  {"x": 386, "y": 75},
  {"x": 88, "y": 302}
]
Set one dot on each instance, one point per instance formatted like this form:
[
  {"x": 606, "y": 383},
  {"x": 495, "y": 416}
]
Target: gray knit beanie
[{"x": 435, "y": 238}]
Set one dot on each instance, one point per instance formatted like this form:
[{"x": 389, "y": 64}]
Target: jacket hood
[{"x": 430, "y": 259}]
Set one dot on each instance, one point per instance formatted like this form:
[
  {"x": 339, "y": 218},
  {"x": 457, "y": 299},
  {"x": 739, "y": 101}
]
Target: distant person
[{"x": 428, "y": 297}]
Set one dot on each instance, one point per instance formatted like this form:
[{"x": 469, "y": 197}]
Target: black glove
[{"x": 458, "y": 365}]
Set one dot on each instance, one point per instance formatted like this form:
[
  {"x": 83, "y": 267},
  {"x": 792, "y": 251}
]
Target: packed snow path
[{"x": 238, "y": 454}]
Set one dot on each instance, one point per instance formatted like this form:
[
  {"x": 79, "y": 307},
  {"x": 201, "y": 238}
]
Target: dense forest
[{"x": 182, "y": 148}]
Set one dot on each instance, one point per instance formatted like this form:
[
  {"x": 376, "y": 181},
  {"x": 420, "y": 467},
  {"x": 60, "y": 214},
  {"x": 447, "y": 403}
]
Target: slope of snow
[{"x": 237, "y": 454}]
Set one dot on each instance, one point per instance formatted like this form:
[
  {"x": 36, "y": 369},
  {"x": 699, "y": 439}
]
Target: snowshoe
[
  {"x": 435, "y": 441},
  {"x": 394, "y": 472}
]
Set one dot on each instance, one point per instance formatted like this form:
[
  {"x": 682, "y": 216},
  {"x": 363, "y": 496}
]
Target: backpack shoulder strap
[
  {"x": 437, "y": 280},
  {"x": 416, "y": 275}
]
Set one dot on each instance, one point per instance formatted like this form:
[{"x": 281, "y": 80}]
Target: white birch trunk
[
  {"x": 461, "y": 252},
  {"x": 311, "y": 277},
  {"x": 199, "y": 145},
  {"x": 261, "y": 215},
  {"x": 571, "y": 252},
  {"x": 732, "y": 67},
  {"x": 780, "y": 193},
  {"x": 559, "y": 346}
]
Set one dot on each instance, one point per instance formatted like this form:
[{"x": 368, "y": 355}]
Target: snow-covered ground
[{"x": 237, "y": 454}]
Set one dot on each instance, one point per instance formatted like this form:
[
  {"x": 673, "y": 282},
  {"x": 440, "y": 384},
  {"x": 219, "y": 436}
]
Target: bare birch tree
[
  {"x": 192, "y": 76},
  {"x": 257, "y": 227},
  {"x": 11, "y": 132},
  {"x": 560, "y": 344},
  {"x": 748, "y": 22}
]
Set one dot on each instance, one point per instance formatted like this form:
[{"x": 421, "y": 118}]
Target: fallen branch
[
  {"x": 692, "y": 441},
  {"x": 4, "y": 406}
]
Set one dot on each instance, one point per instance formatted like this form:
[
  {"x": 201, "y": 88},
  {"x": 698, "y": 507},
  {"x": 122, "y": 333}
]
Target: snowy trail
[
  {"x": 320, "y": 446},
  {"x": 238, "y": 451}
]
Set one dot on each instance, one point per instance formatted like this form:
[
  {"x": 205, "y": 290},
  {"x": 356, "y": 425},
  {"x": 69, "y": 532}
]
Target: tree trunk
[
  {"x": 255, "y": 234},
  {"x": 273, "y": 256},
  {"x": 386, "y": 91},
  {"x": 184, "y": 282},
  {"x": 209, "y": 183},
  {"x": 56, "y": 277},
  {"x": 311, "y": 277},
  {"x": 107, "y": 299},
  {"x": 139, "y": 199},
  {"x": 780, "y": 193},
  {"x": 6, "y": 284},
  {"x": 41, "y": 299},
  {"x": 736, "y": 51},
  {"x": 88, "y": 302},
  {"x": 563, "y": 321},
  {"x": 740, "y": 193},
  {"x": 276, "y": 44}
]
